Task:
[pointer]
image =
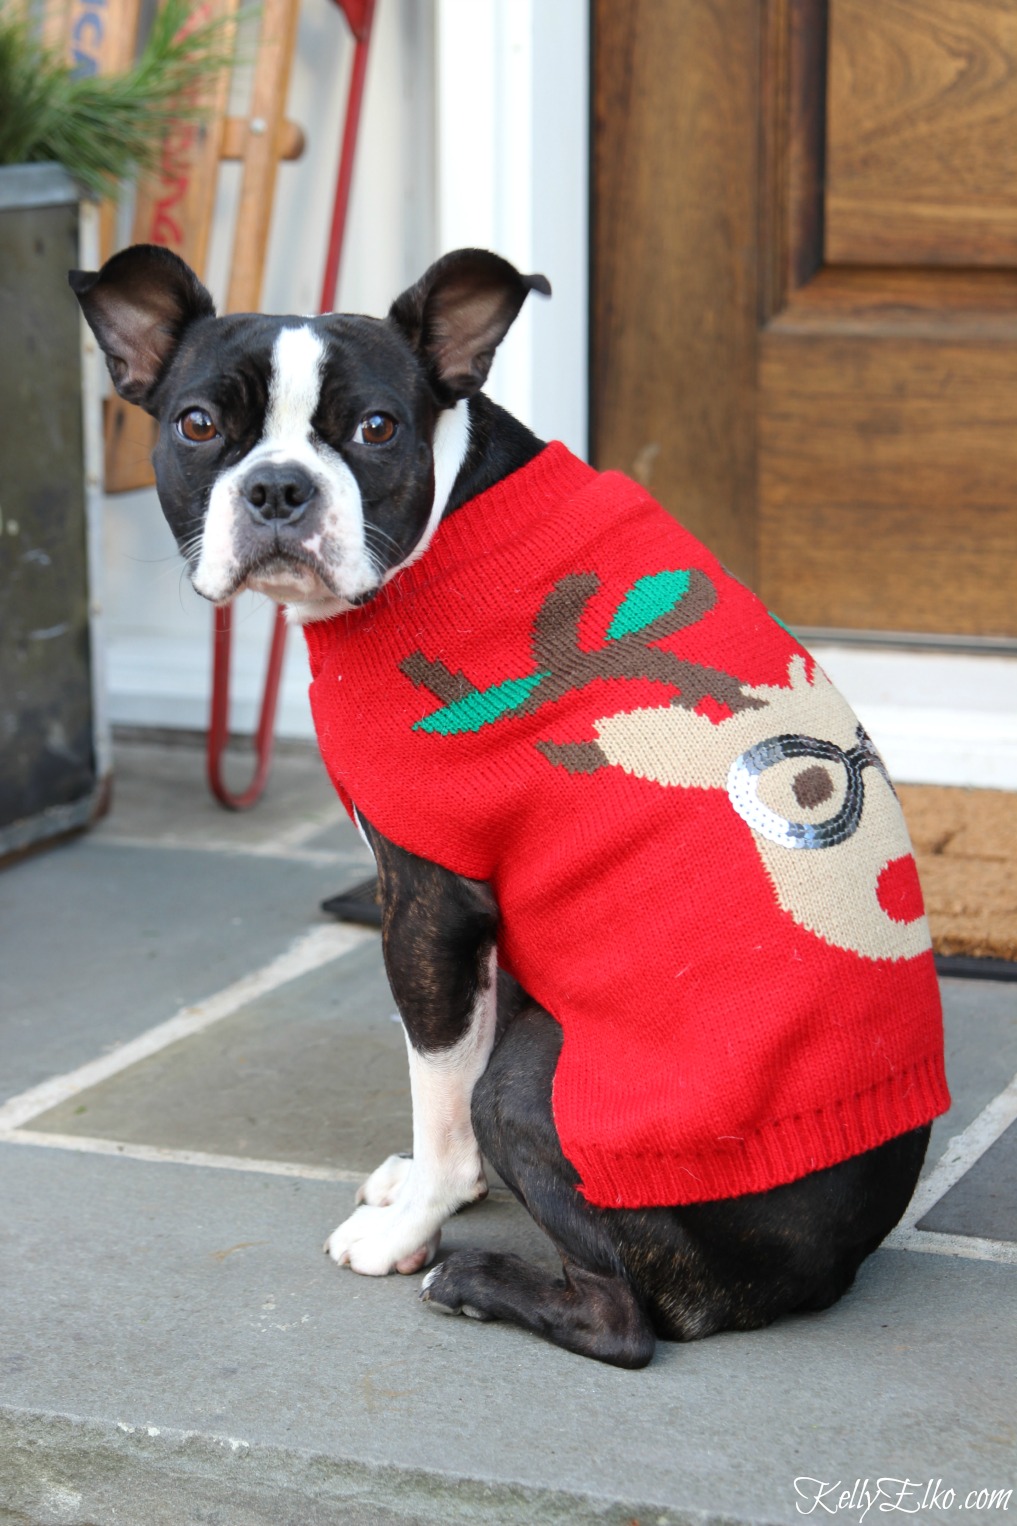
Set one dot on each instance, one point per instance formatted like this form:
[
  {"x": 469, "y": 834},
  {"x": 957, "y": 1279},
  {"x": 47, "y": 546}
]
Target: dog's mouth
[{"x": 293, "y": 574}]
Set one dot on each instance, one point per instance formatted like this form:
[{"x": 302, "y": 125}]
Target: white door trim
[{"x": 513, "y": 79}]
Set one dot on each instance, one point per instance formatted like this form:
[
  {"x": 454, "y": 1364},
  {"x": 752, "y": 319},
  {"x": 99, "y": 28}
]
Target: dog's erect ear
[
  {"x": 458, "y": 313},
  {"x": 138, "y": 306}
]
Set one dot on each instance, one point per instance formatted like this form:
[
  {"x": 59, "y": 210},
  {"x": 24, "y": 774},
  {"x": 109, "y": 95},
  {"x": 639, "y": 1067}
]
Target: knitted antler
[
  {"x": 655, "y": 607},
  {"x": 442, "y": 682}
]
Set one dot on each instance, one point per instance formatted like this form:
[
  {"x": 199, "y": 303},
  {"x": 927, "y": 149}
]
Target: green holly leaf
[
  {"x": 481, "y": 708},
  {"x": 646, "y": 600}
]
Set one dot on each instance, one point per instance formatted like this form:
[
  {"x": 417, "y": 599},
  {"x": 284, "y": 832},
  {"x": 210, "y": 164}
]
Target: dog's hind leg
[
  {"x": 592, "y": 1313},
  {"x": 592, "y": 1308}
]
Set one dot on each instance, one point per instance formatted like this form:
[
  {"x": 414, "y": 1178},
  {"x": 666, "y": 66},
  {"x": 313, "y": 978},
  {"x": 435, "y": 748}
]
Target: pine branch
[{"x": 105, "y": 128}]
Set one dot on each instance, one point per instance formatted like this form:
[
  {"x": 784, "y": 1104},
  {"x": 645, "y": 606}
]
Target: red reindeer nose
[{"x": 898, "y": 891}]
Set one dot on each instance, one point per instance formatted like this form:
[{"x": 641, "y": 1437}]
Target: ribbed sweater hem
[{"x": 781, "y": 1152}]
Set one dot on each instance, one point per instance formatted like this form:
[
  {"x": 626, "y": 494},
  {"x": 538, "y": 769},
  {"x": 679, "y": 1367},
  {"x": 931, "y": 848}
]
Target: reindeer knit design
[{"x": 701, "y": 868}]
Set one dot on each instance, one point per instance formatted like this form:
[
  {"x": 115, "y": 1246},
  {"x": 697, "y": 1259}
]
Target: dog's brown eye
[
  {"x": 375, "y": 429},
  {"x": 196, "y": 426}
]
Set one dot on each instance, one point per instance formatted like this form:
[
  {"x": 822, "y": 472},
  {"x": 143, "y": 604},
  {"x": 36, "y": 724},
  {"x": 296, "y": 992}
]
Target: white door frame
[{"x": 512, "y": 93}]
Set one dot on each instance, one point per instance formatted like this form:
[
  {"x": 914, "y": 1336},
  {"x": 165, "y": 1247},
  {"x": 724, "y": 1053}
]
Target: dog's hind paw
[
  {"x": 442, "y": 1297},
  {"x": 440, "y": 1289}
]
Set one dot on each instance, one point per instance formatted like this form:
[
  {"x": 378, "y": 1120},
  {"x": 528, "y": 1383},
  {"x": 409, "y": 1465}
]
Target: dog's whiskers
[
  {"x": 375, "y": 532},
  {"x": 190, "y": 547}
]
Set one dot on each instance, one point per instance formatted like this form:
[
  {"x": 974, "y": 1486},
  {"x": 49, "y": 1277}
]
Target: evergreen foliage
[{"x": 105, "y": 128}]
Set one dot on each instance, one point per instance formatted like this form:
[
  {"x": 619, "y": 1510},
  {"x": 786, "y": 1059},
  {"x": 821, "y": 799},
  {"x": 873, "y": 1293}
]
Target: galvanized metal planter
[{"x": 54, "y": 738}]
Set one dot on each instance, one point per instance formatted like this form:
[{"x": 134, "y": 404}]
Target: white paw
[
  {"x": 401, "y": 1236},
  {"x": 383, "y": 1185}
]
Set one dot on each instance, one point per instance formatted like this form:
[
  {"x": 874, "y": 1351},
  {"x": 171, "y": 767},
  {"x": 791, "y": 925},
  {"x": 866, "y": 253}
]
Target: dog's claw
[
  {"x": 443, "y": 1298},
  {"x": 430, "y": 1298}
]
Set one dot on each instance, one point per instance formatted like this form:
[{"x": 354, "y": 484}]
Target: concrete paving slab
[
  {"x": 333, "y": 838},
  {"x": 984, "y": 1201},
  {"x": 980, "y": 1022},
  {"x": 168, "y": 1323},
  {"x": 160, "y": 795},
  {"x": 314, "y": 1072},
  {"x": 99, "y": 941}
]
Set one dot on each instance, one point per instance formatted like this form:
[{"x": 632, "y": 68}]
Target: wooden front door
[{"x": 804, "y": 333}]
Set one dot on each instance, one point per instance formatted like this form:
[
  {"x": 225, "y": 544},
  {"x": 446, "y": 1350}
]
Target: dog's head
[{"x": 307, "y": 458}]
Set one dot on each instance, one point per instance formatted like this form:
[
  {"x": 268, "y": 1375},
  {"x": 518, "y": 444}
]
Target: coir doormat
[{"x": 966, "y": 846}]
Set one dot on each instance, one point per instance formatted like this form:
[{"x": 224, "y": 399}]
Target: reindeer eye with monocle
[{"x": 800, "y": 791}]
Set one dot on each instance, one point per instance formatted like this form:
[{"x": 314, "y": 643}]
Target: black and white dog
[{"x": 313, "y": 459}]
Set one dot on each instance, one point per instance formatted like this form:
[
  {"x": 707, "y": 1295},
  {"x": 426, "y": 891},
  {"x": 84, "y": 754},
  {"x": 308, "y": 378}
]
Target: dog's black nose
[{"x": 277, "y": 492}]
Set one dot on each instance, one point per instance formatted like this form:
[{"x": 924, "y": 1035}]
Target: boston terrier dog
[{"x": 650, "y": 913}]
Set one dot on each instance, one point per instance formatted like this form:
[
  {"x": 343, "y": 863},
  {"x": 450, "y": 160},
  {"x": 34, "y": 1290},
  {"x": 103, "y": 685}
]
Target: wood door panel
[
  {"x": 976, "y": 305},
  {"x": 886, "y": 482},
  {"x": 921, "y": 149},
  {"x": 844, "y": 435},
  {"x": 673, "y": 358},
  {"x": 885, "y": 570}
]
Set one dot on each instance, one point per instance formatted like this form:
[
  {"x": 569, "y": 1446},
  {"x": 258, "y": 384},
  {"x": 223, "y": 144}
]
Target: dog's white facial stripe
[
  {"x": 338, "y": 539},
  {"x": 451, "y": 442},
  {"x": 297, "y": 360}
]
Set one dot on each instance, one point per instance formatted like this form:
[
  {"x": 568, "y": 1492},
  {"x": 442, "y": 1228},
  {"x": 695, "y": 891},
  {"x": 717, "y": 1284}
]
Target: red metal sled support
[
  {"x": 360, "y": 16},
  {"x": 219, "y": 723}
]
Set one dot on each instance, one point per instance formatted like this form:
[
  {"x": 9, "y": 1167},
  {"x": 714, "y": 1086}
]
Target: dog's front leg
[{"x": 438, "y": 938}]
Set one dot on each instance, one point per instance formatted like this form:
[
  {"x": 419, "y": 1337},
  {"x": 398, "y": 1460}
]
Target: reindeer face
[{"x": 801, "y": 773}]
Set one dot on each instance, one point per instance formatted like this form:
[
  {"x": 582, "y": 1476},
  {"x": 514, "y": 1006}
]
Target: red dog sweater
[{"x": 701, "y": 868}]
